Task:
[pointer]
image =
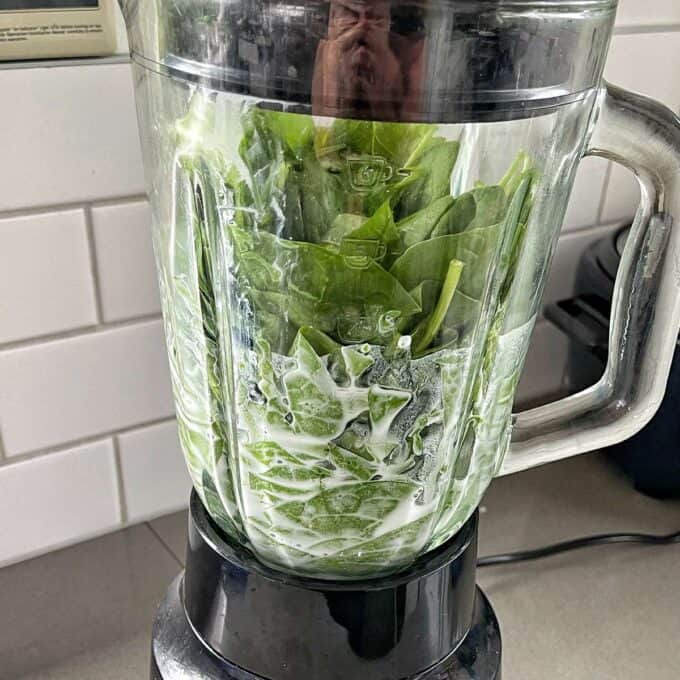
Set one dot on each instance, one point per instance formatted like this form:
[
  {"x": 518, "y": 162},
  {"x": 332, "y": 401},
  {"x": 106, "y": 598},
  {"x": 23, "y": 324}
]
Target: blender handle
[{"x": 644, "y": 136}]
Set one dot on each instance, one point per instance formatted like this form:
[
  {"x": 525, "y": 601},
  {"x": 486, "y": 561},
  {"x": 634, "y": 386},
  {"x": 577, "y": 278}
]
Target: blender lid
[{"x": 415, "y": 60}]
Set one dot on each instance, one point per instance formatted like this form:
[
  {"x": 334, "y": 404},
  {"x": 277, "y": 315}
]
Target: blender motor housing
[{"x": 228, "y": 616}]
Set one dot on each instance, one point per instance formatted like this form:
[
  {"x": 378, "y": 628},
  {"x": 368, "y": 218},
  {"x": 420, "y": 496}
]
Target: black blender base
[
  {"x": 178, "y": 653},
  {"x": 230, "y": 617}
]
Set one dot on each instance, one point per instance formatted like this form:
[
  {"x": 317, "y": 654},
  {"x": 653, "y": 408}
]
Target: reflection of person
[{"x": 361, "y": 68}]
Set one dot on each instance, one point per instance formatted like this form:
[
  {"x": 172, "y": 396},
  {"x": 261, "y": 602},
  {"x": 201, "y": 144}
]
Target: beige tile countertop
[{"x": 606, "y": 613}]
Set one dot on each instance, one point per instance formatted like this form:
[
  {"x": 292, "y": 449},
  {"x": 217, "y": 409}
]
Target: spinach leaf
[
  {"x": 423, "y": 339},
  {"x": 429, "y": 260},
  {"x": 379, "y": 227},
  {"x": 420, "y": 225},
  {"x": 323, "y": 196},
  {"x": 399, "y": 547},
  {"x": 400, "y": 144},
  {"x": 480, "y": 207},
  {"x": 436, "y": 165},
  {"x": 343, "y": 225},
  {"x": 355, "y": 301}
]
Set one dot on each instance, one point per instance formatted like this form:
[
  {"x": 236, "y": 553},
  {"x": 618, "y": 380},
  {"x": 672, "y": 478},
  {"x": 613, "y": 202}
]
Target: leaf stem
[
  {"x": 513, "y": 176},
  {"x": 442, "y": 307}
]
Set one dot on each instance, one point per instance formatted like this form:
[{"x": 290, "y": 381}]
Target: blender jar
[{"x": 354, "y": 209}]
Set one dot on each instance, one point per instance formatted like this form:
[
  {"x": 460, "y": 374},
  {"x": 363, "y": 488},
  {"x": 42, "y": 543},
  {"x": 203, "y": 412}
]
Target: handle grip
[{"x": 644, "y": 136}]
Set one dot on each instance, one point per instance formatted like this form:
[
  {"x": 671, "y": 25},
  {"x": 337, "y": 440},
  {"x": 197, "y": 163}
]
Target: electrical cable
[{"x": 576, "y": 544}]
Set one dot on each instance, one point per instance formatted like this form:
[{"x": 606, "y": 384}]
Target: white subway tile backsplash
[
  {"x": 562, "y": 280},
  {"x": 586, "y": 194},
  {"x": 155, "y": 477},
  {"x": 648, "y": 13},
  {"x": 127, "y": 274},
  {"x": 623, "y": 195},
  {"x": 58, "y": 499},
  {"x": 60, "y": 391},
  {"x": 45, "y": 278},
  {"x": 70, "y": 135},
  {"x": 647, "y": 63}
]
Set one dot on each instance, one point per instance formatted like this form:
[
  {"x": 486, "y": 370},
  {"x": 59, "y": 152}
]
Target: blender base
[
  {"x": 178, "y": 653},
  {"x": 230, "y": 617}
]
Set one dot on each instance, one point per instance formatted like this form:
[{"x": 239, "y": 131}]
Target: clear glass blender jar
[{"x": 355, "y": 206}]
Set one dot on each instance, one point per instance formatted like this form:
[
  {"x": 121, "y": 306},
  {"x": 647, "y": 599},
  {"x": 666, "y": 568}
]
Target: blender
[{"x": 355, "y": 205}]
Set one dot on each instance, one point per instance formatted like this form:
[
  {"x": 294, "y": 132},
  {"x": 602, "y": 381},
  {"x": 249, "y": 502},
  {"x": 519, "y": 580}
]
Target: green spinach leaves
[{"x": 352, "y": 231}]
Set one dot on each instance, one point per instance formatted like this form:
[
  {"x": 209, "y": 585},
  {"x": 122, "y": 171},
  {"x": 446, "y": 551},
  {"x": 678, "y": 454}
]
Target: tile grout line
[
  {"x": 168, "y": 549},
  {"x": 72, "y": 205},
  {"x": 122, "y": 500},
  {"x": 94, "y": 268},
  {"x": 81, "y": 332},
  {"x": 83, "y": 441},
  {"x": 119, "y": 200}
]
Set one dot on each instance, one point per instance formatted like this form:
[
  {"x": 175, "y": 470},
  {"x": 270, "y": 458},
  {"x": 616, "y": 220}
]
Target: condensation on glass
[{"x": 355, "y": 205}]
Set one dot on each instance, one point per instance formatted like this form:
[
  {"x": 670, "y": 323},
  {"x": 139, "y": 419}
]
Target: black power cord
[{"x": 576, "y": 544}]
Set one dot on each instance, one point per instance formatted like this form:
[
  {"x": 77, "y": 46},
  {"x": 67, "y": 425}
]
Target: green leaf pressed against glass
[
  {"x": 356, "y": 291},
  {"x": 432, "y": 325}
]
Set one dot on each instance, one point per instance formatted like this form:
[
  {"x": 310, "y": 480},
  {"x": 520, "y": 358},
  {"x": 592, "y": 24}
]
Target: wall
[{"x": 87, "y": 438}]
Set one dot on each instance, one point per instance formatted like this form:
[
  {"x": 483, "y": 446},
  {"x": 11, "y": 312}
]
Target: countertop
[{"x": 85, "y": 613}]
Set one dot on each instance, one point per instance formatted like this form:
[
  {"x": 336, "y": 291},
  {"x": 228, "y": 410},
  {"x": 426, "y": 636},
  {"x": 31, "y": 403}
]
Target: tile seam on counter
[
  {"x": 161, "y": 540},
  {"x": 81, "y": 332},
  {"x": 94, "y": 268},
  {"x": 120, "y": 485},
  {"x": 159, "y": 514},
  {"x": 7, "y": 461},
  {"x": 39, "y": 209}
]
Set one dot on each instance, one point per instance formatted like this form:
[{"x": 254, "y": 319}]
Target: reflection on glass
[{"x": 364, "y": 67}]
